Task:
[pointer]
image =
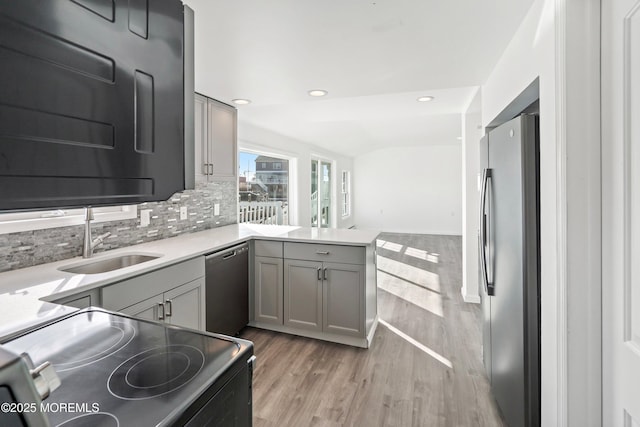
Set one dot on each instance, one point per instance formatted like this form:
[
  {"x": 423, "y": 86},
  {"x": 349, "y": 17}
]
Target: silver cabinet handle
[
  {"x": 324, "y": 275},
  {"x": 319, "y": 273},
  {"x": 205, "y": 169},
  {"x": 169, "y": 308},
  {"x": 210, "y": 168},
  {"x": 322, "y": 252},
  {"x": 160, "y": 310}
]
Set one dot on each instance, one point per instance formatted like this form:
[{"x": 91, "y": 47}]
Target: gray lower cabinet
[
  {"x": 268, "y": 290},
  {"x": 303, "y": 294},
  {"x": 324, "y": 297},
  {"x": 181, "y": 306},
  {"x": 342, "y": 294},
  {"x": 318, "y": 290},
  {"x": 185, "y": 305},
  {"x": 82, "y": 299},
  {"x": 174, "y": 295}
]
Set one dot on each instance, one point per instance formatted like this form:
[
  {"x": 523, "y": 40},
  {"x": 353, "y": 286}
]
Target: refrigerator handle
[{"x": 488, "y": 287}]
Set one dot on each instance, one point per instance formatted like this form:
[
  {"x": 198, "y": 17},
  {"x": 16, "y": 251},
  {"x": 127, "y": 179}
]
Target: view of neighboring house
[
  {"x": 274, "y": 174},
  {"x": 263, "y": 190},
  {"x": 251, "y": 191}
]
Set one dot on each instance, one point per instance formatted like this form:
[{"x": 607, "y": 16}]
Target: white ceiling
[{"x": 375, "y": 57}]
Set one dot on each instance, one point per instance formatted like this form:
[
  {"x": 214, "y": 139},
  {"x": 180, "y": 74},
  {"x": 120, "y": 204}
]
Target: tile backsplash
[{"x": 25, "y": 249}]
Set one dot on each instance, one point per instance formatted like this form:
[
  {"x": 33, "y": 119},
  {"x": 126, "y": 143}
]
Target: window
[
  {"x": 38, "y": 220},
  {"x": 346, "y": 193},
  {"x": 263, "y": 189}
]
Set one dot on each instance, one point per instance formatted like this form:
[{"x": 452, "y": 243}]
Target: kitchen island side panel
[{"x": 371, "y": 289}]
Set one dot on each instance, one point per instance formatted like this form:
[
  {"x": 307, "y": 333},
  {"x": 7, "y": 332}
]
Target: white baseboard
[{"x": 474, "y": 299}]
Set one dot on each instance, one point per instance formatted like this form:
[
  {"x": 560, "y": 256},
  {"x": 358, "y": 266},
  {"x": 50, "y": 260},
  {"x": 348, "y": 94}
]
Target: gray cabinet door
[
  {"x": 184, "y": 305},
  {"x": 136, "y": 289},
  {"x": 216, "y": 146},
  {"x": 149, "y": 309},
  {"x": 343, "y": 309},
  {"x": 202, "y": 168},
  {"x": 81, "y": 300},
  {"x": 222, "y": 131},
  {"x": 268, "y": 290},
  {"x": 303, "y": 294}
]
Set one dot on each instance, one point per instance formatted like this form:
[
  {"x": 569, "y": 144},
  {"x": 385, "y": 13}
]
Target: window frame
[
  {"x": 346, "y": 193},
  {"x": 16, "y": 222}
]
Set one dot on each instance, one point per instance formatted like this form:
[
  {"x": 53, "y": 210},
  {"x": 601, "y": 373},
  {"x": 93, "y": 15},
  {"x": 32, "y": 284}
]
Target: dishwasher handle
[{"x": 228, "y": 252}]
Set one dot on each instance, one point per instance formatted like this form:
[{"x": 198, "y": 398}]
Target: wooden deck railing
[{"x": 274, "y": 213}]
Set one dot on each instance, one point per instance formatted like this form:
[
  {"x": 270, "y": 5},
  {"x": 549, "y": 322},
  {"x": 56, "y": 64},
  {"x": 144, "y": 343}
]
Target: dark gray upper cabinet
[{"x": 91, "y": 102}]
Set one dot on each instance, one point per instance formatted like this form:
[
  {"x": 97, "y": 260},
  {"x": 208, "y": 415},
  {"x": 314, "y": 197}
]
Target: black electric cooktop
[{"x": 119, "y": 371}]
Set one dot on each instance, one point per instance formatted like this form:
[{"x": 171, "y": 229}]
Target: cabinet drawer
[
  {"x": 130, "y": 291},
  {"x": 268, "y": 248},
  {"x": 320, "y": 252}
]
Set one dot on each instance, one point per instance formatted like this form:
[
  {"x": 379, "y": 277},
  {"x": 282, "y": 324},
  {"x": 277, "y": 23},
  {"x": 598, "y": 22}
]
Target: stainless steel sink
[{"x": 109, "y": 264}]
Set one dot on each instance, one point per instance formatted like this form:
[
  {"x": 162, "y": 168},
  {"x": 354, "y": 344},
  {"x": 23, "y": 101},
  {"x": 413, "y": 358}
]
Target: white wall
[
  {"x": 409, "y": 189},
  {"x": 258, "y": 139},
  {"x": 471, "y": 134},
  {"x": 530, "y": 54}
]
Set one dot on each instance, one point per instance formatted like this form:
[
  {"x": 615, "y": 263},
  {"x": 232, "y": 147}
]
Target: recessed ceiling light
[
  {"x": 318, "y": 92},
  {"x": 425, "y": 99},
  {"x": 241, "y": 101}
]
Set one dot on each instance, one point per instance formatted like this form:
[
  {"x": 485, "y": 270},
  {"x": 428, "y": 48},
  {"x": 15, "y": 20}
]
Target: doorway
[{"x": 321, "y": 200}]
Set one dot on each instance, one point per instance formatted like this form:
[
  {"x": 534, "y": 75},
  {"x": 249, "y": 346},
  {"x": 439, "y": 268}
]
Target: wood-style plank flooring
[{"x": 424, "y": 367}]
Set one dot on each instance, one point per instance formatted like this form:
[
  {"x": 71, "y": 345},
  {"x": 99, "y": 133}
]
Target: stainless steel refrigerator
[{"x": 509, "y": 246}]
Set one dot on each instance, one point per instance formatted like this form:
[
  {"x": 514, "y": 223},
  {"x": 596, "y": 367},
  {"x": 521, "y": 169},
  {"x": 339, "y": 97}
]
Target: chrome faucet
[{"x": 89, "y": 245}]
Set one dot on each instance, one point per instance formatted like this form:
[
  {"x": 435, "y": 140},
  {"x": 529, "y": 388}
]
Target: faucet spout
[{"x": 90, "y": 244}]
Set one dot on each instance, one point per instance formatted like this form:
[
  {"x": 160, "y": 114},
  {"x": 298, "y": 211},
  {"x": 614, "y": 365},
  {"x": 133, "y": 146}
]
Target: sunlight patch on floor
[
  {"x": 446, "y": 362},
  {"x": 422, "y": 254},
  {"x": 410, "y": 273},
  {"x": 395, "y": 247},
  {"x": 416, "y": 295}
]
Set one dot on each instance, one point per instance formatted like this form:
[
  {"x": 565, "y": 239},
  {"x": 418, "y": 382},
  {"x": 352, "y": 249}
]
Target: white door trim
[
  {"x": 579, "y": 222},
  {"x": 561, "y": 217}
]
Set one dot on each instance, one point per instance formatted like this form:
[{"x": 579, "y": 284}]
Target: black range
[{"x": 119, "y": 371}]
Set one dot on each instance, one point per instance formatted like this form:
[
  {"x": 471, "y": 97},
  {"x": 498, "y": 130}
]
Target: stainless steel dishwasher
[{"x": 227, "y": 292}]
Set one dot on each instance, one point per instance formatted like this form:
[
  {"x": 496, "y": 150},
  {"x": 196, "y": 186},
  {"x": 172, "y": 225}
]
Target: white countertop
[{"x": 22, "y": 291}]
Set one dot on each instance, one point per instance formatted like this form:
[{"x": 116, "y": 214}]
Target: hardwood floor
[{"x": 424, "y": 367}]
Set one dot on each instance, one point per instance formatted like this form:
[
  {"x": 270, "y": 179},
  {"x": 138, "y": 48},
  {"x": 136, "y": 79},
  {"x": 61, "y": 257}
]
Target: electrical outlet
[
  {"x": 216, "y": 209},
  {"x": 183, "y": 213},
  {"x": 145, "y": 217}
]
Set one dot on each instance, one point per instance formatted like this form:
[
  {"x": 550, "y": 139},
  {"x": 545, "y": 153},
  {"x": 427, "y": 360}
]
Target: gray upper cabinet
[{"x": 216, "y": 156}]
